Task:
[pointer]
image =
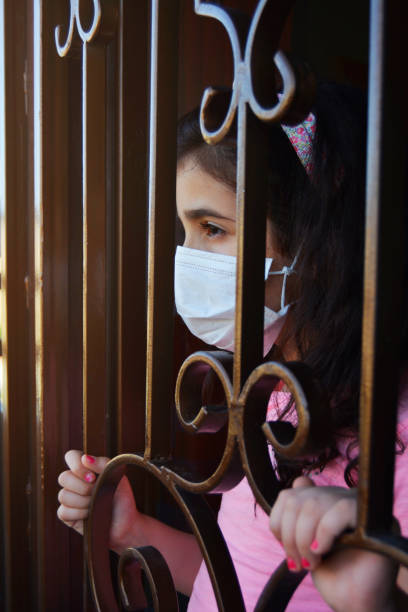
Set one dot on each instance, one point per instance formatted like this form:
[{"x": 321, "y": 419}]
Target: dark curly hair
[{"x": 321, "y": 216}]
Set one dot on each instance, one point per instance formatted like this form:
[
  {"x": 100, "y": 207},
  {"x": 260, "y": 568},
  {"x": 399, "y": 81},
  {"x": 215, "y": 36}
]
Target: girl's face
[{"x": 206, "y": 208}]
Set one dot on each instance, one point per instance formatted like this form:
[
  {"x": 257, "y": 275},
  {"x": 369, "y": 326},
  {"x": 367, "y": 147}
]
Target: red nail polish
[
  {"x": 314, "y": 545},
  {"x": 89, "y": 477},
  {"x": 291, "y": 563},
  {"x": 90, "y": 459},
  {"x": 305, "y": 563}
]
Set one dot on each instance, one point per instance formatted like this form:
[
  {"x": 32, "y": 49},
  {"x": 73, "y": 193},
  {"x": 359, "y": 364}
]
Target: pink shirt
[{"x": 255, "y": 551}]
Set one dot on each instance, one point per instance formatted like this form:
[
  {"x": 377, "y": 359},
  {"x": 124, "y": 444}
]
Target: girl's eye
[{"x": 212, "y": 230}]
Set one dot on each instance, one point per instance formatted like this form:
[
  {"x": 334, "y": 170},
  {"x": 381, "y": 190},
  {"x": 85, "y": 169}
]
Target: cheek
[
  {"x": 273, "y": 290},
  {"x": 191, "y": 238},
  {"x": 271, "y": 249},
  {"x": 229, "y": 246}
]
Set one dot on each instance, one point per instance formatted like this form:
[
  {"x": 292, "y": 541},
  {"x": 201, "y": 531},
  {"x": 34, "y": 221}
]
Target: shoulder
[
  {"x": 401, "y": 459},
  {"x": 278, "y": 402},
  {"x": 402, "y": 428}
]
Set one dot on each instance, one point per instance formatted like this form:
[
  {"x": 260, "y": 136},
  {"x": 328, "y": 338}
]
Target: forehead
[{"x": 197, "y": 189}]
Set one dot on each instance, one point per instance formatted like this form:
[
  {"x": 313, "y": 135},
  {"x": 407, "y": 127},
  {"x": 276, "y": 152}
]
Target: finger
[
  {"x": 96, "y": 464},
  {"x": 73, "y": 461},
  {"x": 288, "y": 531},
  {"x": 71, "y": 515},
  {"x": 73, "y": 500},
  {"x": 275, "y": 517},
  {"x": 303, "y": 481},
  {"x": 77, "y": 525},
  {"x": 340, "y": 516},
  {"x": 68, "y": 480},
  {"x": 306, "y": 525}
]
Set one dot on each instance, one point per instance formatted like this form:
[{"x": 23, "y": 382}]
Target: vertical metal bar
[
  {"x": 15, "y": 384},
  {"x": 71, "y": 418},
  {"x": 4, "y": 474},
  {"x": 37, "y": 274},
  {"x": 383, "y": 281},
  {"x": 94, "y": 247},
  {"x": 97, "y": 208},
  {"x": 5, "y": 552},
  {"x": 50, "y": 212},
  {"x": 251, "y": 217},
  {"x": 4, "y": 480},
  {"x": 132, "y": 222},
  {"x": 162, "y": 190}
]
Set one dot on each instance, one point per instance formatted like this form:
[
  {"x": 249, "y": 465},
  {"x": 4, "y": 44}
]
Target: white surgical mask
[{"x": 204, "y": 286}]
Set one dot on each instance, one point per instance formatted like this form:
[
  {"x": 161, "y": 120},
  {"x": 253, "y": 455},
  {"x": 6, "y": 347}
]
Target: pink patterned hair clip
[{"x": 301, "y": 137}]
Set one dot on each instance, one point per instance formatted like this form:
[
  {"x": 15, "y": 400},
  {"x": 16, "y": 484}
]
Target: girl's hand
[
  {"x": 129, "y": 527},
  {"x": 77, "y": 484},
  {"x": 306, "y": 520}
]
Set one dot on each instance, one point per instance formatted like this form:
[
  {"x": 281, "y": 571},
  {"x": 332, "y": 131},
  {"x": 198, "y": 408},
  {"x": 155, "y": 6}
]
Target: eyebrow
[{"x": 198, "y": 213}]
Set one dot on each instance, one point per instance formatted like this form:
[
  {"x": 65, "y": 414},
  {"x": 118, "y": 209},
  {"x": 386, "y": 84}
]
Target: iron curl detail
[
  {"x": 203, "y": 399},
  {"x": 75, "y": 18},
  {"x": 289, "y": 439},
  {"x": 279, "y": 589},
  {"x": 249, "y": 429},
  {"x": 149, "y": 560},
  {"x": 255, "y": 54},
  {"x": 102, "y": 24},
  {"x": 204, "y": 403},
  {"x": 198, "y": 516},
  {"x": 197, "y": 386}
]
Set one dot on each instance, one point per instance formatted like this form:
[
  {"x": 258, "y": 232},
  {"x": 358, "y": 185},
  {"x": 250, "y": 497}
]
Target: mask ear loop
[{"x": 286, "y": 271}]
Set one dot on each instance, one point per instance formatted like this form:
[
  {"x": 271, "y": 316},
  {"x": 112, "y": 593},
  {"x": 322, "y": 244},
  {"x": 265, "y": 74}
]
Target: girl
[{"x": 313, "y": 304}]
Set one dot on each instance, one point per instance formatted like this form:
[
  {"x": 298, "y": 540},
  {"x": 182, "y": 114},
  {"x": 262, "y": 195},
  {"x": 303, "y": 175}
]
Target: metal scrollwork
[
  {"x": 243, "y": 58},
  {"x": 292, "y": 438},
  {"x": 201, "y": 521},
  {"x": 75, "y": 18},
  {"x": 198, "y": 371},
  {"x": 245, "y": 419},
  {"x": 202, "y": 407},
  {"x": 249, "y": 413},
  {"x": 149, "y": 560}
]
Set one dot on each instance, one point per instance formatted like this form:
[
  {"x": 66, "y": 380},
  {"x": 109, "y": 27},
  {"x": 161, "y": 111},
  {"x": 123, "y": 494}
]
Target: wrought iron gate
[{"x": 79, "y": 109}]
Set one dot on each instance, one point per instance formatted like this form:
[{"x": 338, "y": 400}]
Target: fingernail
[
  {"x": 305, "y": 563},
  {"x": 291, "y": 563},
  {"x": 89, "y": 477},
  {"x": 90, "y": 459},
  {"x": 314, "y": 545}
]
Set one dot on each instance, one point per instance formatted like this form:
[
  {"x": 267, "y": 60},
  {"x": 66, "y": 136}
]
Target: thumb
[
  {"x": 303, "y": 481},
  {"x": 96, "y": 464}
]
